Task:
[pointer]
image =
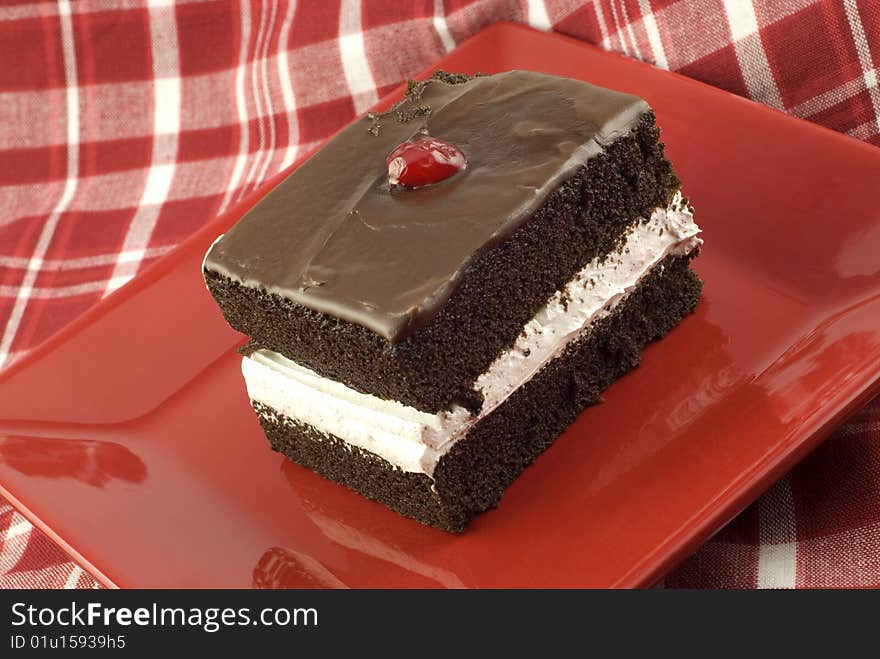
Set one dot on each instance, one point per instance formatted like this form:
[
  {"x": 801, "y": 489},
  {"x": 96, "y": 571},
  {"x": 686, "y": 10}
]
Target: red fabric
[{"x": 124, "y": 128}]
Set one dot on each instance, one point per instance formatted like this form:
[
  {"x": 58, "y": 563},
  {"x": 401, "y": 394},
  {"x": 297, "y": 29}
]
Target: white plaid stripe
[
  {"x": 260, "y": 174},
  {"x": 621, "y": 43},
  {"x": 650, "y": 23},
  {"x": 73, "y": 580},
  {"x": 55, "y": 265},
  {"x": 777, "y": 555},
  {"x": 750, "y": 51},
  {"x": 257, "y": 99},
  {"x": 537, "y": 15},
  {"x": 769, "y": 11},
  {"x": 51, "y": 292},
  {"x": 864, "y": 131},
  {"x": 34, "y": 10},
  {"x": 442, "y": 26},
  {"x": 107, "y": 192},
  {"x": 828, "y": 99},
  {"x": 869, "y": 73},
  {"x": 361, "y": 86},
  {"x": 241, "y": 108},
  {"x": 166, "y": 126},
  {"x": 637, "y": 52},
  {"x": 288, "y": 98}
]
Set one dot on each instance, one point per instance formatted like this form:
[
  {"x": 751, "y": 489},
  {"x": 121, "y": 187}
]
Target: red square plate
[{"x": 129, "y": 439}]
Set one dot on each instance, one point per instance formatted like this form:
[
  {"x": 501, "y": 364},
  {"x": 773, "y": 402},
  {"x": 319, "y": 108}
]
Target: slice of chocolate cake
[{"x": 437, "y": 293}]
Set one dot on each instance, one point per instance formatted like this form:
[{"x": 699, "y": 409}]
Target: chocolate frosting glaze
[{"x": 333, "y": 237}]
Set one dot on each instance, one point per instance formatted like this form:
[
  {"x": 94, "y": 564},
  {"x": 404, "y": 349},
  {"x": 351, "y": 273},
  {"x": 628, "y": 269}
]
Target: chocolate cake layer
[
  {"x": 336, "y": 238},
  {"x": 501, "y": 289},
  {"x": 473, "y": 475}
]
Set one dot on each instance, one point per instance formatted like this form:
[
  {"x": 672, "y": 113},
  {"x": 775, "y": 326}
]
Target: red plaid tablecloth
[{"x": 125, "y": 125}]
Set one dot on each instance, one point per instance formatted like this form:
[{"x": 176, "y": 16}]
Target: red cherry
[{"x": 422, "y": 161}]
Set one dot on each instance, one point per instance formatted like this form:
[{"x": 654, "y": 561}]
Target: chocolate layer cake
[{"x": 438, "y": 292}]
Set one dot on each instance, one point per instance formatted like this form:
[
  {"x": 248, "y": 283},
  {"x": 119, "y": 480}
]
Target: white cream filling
[{"x": 414, "y": 440}]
